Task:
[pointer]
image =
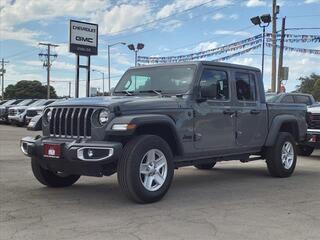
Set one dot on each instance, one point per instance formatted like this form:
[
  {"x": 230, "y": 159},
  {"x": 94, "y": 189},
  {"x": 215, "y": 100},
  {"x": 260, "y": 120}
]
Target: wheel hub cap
[
  {"x": 153, "y": 170},
  {"x": 287, "y": 155}
]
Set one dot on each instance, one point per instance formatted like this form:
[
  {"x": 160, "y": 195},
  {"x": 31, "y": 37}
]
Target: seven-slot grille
[
  {"x": 12, "y": 112},
  {"x": 314, "y": 121},
  {"x": 73, "y": 122},
  {"x": 31, "y": 113}
]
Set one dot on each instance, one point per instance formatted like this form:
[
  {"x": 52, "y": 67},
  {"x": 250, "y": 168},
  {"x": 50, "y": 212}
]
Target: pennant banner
[
  {"x": 199, "y": 55},
  {"x": 304, "y": 36},
  {"x": 237, "y": 54},
  {"x": 297, "y": 40},
  {"x": 300, "y": 50}
]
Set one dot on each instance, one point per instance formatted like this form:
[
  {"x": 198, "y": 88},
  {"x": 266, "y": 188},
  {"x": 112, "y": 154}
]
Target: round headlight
[{"x": 103, "y": 116}]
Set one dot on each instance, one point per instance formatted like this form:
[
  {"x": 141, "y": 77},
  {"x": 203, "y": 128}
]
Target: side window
[
  {"x": 246, "y": 87},
  {"x": 302, "y": 99},
  {"x": 288, "y": 99},
  {"x": 218, "y": 80}
]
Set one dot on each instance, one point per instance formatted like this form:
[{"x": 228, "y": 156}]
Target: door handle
[
  {"x": 255, "y": 111},
  {"x": 229, "y": 112}
]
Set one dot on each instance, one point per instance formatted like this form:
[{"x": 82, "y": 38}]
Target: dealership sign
[{"x": 83, "y": 38}]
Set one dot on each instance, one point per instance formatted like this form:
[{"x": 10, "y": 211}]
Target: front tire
[
  {"x": 145, "y": 169},
  {"x": 51, "y": 179},
  {"x": 304, "y": 150},
  {"x": 282, "y": 157}
]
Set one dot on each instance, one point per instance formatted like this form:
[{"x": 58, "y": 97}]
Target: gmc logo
[{"x": 84, "y": 39}]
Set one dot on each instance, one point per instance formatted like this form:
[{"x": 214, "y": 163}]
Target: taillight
[{"x": 309, "y": 118}]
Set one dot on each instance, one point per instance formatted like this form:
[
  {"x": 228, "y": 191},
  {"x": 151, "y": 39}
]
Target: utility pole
[
  {"x": 280, "y": 66},
  {"x": 275, "y": 11},
  {"x": 47, "y": 62},
  {"x": 2, "y": 71}
]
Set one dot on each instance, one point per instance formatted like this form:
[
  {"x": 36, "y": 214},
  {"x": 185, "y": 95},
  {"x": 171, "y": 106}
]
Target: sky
[{"x": 167, "y": 28}]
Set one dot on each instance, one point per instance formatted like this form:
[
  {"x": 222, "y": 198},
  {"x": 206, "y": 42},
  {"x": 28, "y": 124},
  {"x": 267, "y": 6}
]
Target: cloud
[
  {"x": 122, "y": 17},
  {"x": 255, "y": 3},
  {"x": 311, "y": 1},
  {"x": 218, "y": 16},
  {"x": 170, "y": 26},
  {"x": 23, "y": 35},
  {"x": 21, "y": 11},
  {"x": 232, "y": 33},
  {"x": 180, "y": 5}
]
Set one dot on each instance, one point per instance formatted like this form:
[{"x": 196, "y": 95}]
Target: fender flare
[
  {"x": 145, "y": 119},
  {"x": 276, "y": 124}
]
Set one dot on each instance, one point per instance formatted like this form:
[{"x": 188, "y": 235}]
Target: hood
[
  {"x": 315, "y": 109},
  {"x": 19, "y": 108},
  {"x": 37, "y": 108},
  {"x": 126, "y": 103}
]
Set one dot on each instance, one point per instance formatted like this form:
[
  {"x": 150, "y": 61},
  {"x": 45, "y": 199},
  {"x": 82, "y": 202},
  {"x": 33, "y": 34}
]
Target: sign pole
[
  {"x": 76, "y": 91},
  {"x": 88, "y": 78}
]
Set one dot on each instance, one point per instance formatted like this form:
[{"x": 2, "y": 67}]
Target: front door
[{"x": 214, "y": 122}]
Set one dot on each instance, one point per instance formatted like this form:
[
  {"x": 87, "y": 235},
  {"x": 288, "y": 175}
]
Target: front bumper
[
  {"x": 16, "y": 118},
  {"x": 313, "y": 138},
  {"x": 72, "y": 160}
]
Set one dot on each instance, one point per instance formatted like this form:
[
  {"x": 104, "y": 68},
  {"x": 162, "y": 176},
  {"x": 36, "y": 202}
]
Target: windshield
[
  {"x": 166, "y": 79},
  {"x": 39, "y": 102},
  {"x": 272, "y": 97},
  {"x": 9, "y": 102},
  {"x": 25, "y": 102}
]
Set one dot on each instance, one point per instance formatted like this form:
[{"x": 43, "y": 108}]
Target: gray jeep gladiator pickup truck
[{"x": 163, "y": 117}]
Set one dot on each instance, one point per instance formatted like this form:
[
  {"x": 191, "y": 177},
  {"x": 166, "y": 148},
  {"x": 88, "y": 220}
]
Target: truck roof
[{"x": 208, "y": 63}]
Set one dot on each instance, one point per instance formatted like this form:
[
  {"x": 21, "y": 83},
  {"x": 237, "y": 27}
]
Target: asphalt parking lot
[{"x": 232, "y": 201}]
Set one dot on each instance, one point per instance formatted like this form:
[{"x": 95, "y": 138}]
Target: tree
[
  {"x": 311, "y": 85},
  {"x": 28, "y": 89}
]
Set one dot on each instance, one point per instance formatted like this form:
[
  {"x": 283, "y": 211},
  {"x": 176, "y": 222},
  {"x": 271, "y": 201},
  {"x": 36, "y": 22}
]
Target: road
[{"x": 232, "y": 201}]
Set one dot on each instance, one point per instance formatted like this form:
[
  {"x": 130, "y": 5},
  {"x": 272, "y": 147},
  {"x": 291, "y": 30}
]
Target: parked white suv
[{"x": 313, "y": 133}]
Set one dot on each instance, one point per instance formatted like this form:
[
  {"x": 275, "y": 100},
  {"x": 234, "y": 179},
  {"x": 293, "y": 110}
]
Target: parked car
[
  {"x": 33, "y": 111},
  {"x": 163, "y": 117},
  {"x": 5, "y": 107},
  {"x": 301, "y": 98},
  {"x": 313, "y": 133},
  {"x": 17, "y": 114},
  {"x": 2, "y": 102}
]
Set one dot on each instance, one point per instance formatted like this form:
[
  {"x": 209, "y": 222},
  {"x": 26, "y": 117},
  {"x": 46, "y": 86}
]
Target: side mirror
[{"x": 208, "y": 91}]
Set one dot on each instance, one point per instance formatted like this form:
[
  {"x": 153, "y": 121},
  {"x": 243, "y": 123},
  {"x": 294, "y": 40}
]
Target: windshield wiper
[
  {"x": 128, "y": 93},
  {"x": 158, "y": 92}
]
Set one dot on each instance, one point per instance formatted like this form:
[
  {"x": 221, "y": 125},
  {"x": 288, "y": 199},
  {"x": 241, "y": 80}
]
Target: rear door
[{"x": 251, "y": 120}]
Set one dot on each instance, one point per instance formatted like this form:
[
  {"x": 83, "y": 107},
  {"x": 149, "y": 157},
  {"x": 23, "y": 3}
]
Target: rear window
[
  {"x": 302, "y": 99},
  {"x": 288, "y": 99}
]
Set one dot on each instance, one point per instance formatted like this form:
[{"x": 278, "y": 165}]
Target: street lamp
[
  {"x": 102, "y": 73},
  {"x": 136, "y": 50},
  {"x": 263, "y": 21},
  {"x": 109, "y": 46}
]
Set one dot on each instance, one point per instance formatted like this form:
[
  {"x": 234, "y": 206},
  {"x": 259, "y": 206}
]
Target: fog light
[
  {"x": 94, "y": 153},
  {"x": 90, "y": 153}
]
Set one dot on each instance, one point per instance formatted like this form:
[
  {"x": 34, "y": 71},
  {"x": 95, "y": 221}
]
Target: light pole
[
  {"x": 102, "y": 73},
  {"x": 136, "y": 49},
  {"x": 266, "y": 19},
  {"x": 109, "y": 46}
]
